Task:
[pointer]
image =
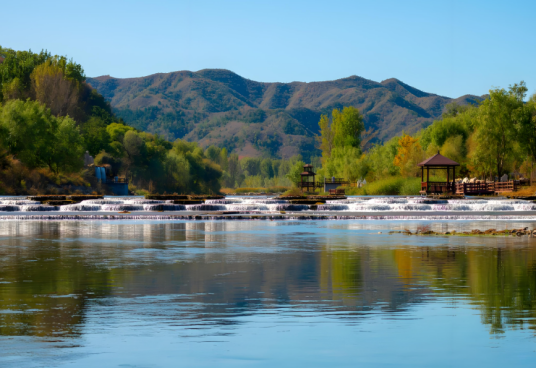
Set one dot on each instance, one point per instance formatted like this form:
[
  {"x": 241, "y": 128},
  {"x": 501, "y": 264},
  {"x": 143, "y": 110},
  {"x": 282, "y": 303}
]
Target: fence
[{"x": 487, "y": 187}]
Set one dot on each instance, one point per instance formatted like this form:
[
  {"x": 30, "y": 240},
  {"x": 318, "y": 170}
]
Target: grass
[
  {"x": 525, "y": 192},
  {"x": 394, "y": 185},
  {"x": 294, "y": 192},
  {"x": 253, "y": 190}
]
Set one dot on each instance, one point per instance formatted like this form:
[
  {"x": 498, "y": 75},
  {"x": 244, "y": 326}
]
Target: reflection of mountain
[{"x": 215, "y": 270}]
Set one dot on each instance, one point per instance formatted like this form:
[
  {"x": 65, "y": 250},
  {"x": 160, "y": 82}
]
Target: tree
[
  {"x": 54, "y": 89},
  {"x": 527, "y": 129},
  {"x": 498, "y": 118},
  {"x": 223, "y": 159},
  {"x": 28, "y": 131},
  {"x": 326, "y": 137},
  {"x": 213, "y": 153},
  {"x": 347, "y": 127},
  {"x": 340, "y": 141},
  {"x": 37, "y": 138},
  {"x": 96, "y": 138},
  {"x": 294, "y": 174},
  {"x": 266, "y": 169},
  {"x": 68, "y": 148},
  {"x": 409, "y": 155}
]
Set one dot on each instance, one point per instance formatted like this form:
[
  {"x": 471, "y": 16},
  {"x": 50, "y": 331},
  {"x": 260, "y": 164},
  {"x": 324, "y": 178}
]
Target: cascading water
[
  {"x": 270, "y": 205},
  {"x": 35, "y": 208}
]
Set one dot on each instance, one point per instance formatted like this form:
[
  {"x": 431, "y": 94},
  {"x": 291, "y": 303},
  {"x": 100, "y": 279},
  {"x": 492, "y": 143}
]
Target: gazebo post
[
  {"x": 454, "y": 179},
  {"x": 448, "y": 178}
]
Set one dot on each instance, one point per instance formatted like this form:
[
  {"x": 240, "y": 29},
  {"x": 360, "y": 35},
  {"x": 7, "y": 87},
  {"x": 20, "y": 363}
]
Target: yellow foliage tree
[
  {"x": 55, "y": 89},
  {"x": 409, "y": 154}
]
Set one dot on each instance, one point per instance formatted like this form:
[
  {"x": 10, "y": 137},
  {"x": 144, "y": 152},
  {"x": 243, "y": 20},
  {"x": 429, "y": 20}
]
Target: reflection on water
[{"x": 78, "y": 284}]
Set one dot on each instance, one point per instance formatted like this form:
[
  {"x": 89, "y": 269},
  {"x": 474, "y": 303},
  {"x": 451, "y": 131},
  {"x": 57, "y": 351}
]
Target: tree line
[{"x": 490, "y": 139}]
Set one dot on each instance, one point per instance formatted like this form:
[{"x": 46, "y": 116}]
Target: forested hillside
[
  {"x": 49, "y": 116},
  {"x": 256, "y": 119}
]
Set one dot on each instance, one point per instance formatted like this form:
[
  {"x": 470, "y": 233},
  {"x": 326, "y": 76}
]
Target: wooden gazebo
[
  {"x": 306, "y": 183},
  {"x": 438, "y": 162}
]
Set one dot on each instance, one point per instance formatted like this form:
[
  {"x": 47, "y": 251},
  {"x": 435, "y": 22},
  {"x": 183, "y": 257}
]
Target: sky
[{"x": 450, "y": 48}]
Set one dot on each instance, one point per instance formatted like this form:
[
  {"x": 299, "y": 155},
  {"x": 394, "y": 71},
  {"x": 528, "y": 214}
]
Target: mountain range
[{"x": 215, "y": 106}]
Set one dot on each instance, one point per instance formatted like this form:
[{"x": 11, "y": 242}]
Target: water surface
[{"x": 264, "y": 294}]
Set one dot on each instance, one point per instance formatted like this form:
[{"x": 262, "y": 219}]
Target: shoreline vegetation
[
  {"x": 50, "y": 116},
  {"x": 426, "y": 230}
]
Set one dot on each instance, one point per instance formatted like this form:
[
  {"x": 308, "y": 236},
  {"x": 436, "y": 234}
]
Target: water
[
  {"x": 264, "y": 294},
  {"x": 272, "y": 205}
]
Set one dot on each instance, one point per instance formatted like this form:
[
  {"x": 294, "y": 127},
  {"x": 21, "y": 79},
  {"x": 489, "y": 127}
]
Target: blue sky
[{"x": 450, "y": 48}]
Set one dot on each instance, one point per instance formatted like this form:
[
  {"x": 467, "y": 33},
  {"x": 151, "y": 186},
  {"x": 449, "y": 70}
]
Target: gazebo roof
[
  {"x": 438, "y": 160},
  {"x": 307, "y": 173}
]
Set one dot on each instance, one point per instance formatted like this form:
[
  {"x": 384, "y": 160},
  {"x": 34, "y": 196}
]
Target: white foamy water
[{"x": 269, "y": 205}]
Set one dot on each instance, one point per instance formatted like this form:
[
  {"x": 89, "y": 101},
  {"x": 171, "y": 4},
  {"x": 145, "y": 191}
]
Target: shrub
[
  {"x": 394, "y": 185},
  {"x": 293, "y": 192}
]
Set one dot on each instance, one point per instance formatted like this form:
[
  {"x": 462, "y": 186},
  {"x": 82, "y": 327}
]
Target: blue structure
[
  {"x": 119, "y": 186},
  {"x": 333, "y": 183}
]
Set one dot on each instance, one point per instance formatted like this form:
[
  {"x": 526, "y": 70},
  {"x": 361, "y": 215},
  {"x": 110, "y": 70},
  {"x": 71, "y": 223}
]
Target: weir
[{"x": 265, "y": 205}]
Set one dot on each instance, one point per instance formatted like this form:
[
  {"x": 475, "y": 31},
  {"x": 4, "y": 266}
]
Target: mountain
[{"x": 219, "y": 107}]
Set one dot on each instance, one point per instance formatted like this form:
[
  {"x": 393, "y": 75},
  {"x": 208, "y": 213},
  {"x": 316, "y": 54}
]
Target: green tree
[
  {"x": 497, "y": 121},
  {"x": 213, "y": 153},
  {"x": 526, "y": 117},
  {"x": 96, "y": 137},
  {"x": 266, "y": 169},
  {"x": 28, "y": 131},
  {"x": 340, "y": 140},
  {"x": 294, "y": 173},
  {"x": 68, "y": 148},
  {"x": 347, "y": 127}
]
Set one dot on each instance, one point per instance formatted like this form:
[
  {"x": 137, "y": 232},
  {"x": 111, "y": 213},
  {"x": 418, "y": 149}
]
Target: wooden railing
[
  {"x": 487, "y": 188},
  {"x": 335, "y": 181},
  {"x": 436, "y": 187},
  {"x": 310, "y": 186},
  {"x": 336, "y": 191},
  {"x": 507, "y": 186}
]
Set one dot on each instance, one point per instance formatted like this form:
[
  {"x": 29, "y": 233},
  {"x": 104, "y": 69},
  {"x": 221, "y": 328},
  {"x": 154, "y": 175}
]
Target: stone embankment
[{"x": 475, "y": 232}]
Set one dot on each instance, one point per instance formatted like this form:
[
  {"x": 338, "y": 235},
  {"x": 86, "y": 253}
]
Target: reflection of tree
[
  {"x": 341, "y": 273},
  {"x": 221, "y": 281},
  {"x": 45, "y": 292},
  {"x": 501, "y": 282}
]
